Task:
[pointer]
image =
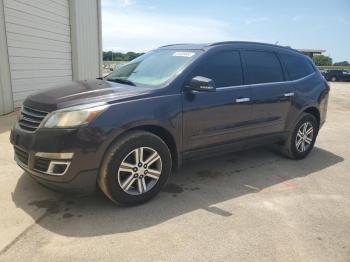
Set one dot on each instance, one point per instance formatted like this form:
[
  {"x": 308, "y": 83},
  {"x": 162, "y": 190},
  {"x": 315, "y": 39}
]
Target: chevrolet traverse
[{"x": 126, "y": 132}]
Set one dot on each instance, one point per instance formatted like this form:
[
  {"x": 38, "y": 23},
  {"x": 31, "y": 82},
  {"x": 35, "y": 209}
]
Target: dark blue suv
[{"x": 128, "y": 131}]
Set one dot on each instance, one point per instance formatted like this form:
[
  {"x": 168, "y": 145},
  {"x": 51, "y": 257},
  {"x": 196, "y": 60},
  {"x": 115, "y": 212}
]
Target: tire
[
  {"x": 132, "y": 187},
  {"x": 290, "y": 148},
  {"x": 334, "y": 79}
]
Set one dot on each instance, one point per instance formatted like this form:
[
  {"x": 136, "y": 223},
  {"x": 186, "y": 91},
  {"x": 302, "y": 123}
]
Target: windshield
[{"x": 153, "y": 68}]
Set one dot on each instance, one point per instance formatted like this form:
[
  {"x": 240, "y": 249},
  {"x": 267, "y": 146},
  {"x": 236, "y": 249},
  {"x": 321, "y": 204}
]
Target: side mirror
[{"x": 202, "y": 84}]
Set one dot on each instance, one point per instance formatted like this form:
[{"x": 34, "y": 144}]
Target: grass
[{"x": 334, "y": 67}]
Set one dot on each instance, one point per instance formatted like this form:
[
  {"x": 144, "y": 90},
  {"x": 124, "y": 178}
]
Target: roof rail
[
  {"x": 241, "y": 42},
  {"x": 236, "y": 42},
  {"x": 248, "y": 42},
  {"x": 174, "y": 45}
]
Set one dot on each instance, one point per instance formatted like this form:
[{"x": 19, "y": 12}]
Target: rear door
[
  {"x": 216, "y": 118},
  {"x": 271, "y": 96}
]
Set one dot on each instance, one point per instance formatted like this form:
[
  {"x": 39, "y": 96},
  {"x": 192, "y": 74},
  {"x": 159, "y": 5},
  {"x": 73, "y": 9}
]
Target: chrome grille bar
[{"x": 31, "y": 118}]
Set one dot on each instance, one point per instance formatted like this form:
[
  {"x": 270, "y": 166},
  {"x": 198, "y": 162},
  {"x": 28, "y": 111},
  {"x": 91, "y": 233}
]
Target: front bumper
[
  {"x": 83, "y": 183},
  {"x": 83, "y": 143}
]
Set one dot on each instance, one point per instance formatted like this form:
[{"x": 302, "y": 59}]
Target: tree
[
  {"x": 117, "y": 56},
  {"x": 343, "y": 63},
  {"x": 322, "y": 60}
]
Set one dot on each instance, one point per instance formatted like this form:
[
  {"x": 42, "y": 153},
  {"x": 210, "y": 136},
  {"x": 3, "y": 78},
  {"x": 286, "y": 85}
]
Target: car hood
[{"x": 83, "y": 92}]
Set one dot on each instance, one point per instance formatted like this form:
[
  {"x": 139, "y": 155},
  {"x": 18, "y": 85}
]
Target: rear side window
[
  {"x": 262, "y": 67},
  {"x": 296, "y": 66},
  {"x": 223, "y": 67}
]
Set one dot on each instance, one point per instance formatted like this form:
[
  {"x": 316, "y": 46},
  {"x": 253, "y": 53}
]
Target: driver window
[{"x": 223, "y": 67}]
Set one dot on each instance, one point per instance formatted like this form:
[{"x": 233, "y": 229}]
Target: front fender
[{"x": 161, "y": 111}]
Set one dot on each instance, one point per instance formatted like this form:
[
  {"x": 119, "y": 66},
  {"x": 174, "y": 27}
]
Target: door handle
[
  {"x": 289, "y": 94},
  {"x": 242, "y": 100}
]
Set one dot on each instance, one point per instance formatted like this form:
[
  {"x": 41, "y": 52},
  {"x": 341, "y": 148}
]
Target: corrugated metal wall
[
  {"x": 85, "y": 20},
  {"x": 39, "y": 45},
  {"x": 45, "y": 43},
  {"x": 6, "y": 101}
]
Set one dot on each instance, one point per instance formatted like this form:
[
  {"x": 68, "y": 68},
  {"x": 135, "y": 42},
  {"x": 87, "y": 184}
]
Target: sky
[{"x": 140, "y": 25}]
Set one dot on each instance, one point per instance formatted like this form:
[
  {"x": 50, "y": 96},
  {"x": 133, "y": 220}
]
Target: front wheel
[
  {"x": 135, "y": 168},
  {"x": 302, "y": 138}
]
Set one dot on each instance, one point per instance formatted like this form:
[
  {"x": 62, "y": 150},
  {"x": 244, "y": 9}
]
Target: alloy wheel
[
  {"x": 304, "y": 137},
  {"x": 139, "y": 171}
]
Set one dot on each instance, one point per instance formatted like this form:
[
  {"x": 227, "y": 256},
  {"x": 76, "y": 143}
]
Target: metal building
[
  {"x": 44, "y": 43},
  {"x": 312, "y": 52}
]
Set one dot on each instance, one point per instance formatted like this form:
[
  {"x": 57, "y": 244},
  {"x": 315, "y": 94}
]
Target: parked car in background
[
  {"x": 128, "y": 131},
  {"x": 336, "y": 74}
]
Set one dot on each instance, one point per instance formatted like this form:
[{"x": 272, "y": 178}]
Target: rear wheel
[
  {"x": 333, "y": 79},
  {"x": 135, "y": 168},
  {"x": 302, "y": 138}
]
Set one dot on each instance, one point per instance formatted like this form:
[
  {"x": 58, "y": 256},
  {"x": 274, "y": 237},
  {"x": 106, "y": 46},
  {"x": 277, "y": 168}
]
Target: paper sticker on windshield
[{"x": 184, "y": 54}]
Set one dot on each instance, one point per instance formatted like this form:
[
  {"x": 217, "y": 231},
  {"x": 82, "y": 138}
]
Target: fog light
[{"x": 58, "y": 168}]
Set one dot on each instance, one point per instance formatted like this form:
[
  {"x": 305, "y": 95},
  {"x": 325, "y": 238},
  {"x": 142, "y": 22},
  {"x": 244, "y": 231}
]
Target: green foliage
[
  {"x": 117, "y": 56},
  {"x": 322, "y": 60}
]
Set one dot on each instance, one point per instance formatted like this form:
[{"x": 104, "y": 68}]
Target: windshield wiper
[{"x": 122, "y": 81}]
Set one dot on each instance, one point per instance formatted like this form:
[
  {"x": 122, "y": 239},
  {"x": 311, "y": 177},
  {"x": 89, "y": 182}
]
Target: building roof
[{"x": 307, "y": 50}]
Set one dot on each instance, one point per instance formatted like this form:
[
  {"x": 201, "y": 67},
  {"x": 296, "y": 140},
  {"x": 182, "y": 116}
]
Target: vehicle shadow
[{"x": 198, "y": 185}]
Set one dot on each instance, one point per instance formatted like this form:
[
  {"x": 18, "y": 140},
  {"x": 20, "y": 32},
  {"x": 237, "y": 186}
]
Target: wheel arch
[
  {"x": 166, "y": 136},
  {"x": 315, "y": 112},
  {"x": 159, "y": 131}
]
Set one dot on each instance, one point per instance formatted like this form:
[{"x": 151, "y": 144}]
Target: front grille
[
  {"x": 22, "y": 155},
  {"x": 41, "y": 164},
  {"x": 31, "y": 118}
]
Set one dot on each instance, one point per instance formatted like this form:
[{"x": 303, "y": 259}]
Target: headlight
[{"x": 73, "y": 116}]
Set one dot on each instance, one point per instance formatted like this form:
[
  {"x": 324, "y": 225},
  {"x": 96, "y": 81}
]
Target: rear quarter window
[{"x": 296, "y": 66}]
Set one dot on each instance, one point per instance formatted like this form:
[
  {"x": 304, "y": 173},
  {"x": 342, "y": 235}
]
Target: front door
[{"x": 216, "y": 118}]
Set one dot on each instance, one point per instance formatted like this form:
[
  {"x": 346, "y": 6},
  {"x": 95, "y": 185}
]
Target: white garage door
[{"x": 39, "y": 45}]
